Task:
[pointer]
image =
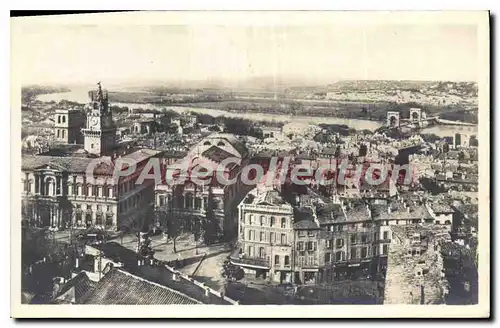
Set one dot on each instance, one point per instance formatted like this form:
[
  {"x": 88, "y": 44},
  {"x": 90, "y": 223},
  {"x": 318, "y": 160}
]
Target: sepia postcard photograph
[{"x": 309, "y": 164}]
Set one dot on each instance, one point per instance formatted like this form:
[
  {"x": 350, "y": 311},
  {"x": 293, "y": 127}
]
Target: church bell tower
[{"x": 100, "y": 131}]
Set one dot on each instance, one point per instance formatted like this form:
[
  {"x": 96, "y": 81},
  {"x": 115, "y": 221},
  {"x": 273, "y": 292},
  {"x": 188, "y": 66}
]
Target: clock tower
[{"x": 100, "y": 131}]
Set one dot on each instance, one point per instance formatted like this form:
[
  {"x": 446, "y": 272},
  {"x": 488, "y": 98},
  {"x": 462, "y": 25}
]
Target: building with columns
[
  {"x": 187, "y": 198},
  {"x": 56, "y": 191}
]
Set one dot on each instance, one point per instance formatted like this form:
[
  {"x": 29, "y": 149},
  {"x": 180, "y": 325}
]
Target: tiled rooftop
[
  {"x": 240, "y": 147},
  {"x": 330, "y": 213},
  {"x": 158, "y": 273},
  {"x": 122, "y": 288},
  {"x": 305, "y": 225},
  {"x": 304, "y": 219},
  {"x": 399, "y": 212},
  {"x": 441, "y": 208},
  {"x": 269, "y": 197},
  {"x": 357, "y": 211},
  {"x": 79, "y": 164},
  {"x": 75, "y": 289},
  {"x": 216, "y": 154}
]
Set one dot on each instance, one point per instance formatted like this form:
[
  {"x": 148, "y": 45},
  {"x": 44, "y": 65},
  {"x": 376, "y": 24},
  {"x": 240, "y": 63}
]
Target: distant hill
[{"x": 387, "y": 85}]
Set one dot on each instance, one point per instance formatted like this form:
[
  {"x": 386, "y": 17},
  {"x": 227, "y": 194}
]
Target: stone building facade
[
  {"x": 265, "y": 236},
  {"x": 186, "y": 187},
  {"x": 68, "y": 124},
  {"x": 58, "y": 193},
  {"x": 307, "y": 248}
]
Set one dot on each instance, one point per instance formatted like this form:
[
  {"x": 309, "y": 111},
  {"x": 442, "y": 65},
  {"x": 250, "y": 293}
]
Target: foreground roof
[
  {"x": 75, "y": 289},
  {"x": 121, "y": 287}
]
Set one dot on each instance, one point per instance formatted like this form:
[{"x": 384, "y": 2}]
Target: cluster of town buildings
[
  {"x": 440, "y": 93},
  {"x": 282, "y": 232}
]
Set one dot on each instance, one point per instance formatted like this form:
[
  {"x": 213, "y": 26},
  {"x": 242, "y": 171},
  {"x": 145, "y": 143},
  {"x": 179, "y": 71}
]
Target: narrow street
[{"x": 209, "y": 271}]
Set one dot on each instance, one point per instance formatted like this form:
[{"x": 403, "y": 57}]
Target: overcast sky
[{"x": 321, "y": 54}]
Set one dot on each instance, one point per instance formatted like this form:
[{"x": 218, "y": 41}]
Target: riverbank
[{"x": 81, "y": 96}]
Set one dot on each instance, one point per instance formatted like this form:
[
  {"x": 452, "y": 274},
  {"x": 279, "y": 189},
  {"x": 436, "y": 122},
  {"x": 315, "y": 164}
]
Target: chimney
[{"x": 77, "y": 263}]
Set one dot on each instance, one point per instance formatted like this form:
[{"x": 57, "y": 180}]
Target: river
[{"x": 81, "y": 96}]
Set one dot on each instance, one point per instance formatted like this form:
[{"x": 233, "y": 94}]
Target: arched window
[
  {"x": 276, "y": 260},
  {"x": 189, "y": 201},
  {"x": 206, "y": 143},
  {"x": 49, "y": 187},
  {"x": 64, "y": 120},
  {"x": 273, "y": 221},
  {"x": 99, "y": 219},
  {"x": 287, "y": 260},
  {"x": 78, "y": 218},
  {"x": 88, "y": 219},
  {"x": 59, "y": 119},
  {"x": 221, "y": 144},
  {"x": 283, "y": 222}
]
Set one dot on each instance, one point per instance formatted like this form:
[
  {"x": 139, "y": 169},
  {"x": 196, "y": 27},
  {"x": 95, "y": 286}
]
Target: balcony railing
[
  {"x": 313, "y": 264},
  {"x": 251, "y": 261}
]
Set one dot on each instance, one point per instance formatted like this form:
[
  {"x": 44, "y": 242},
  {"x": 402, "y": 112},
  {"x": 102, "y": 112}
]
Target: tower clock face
[{"x": 94, "y": 121}]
